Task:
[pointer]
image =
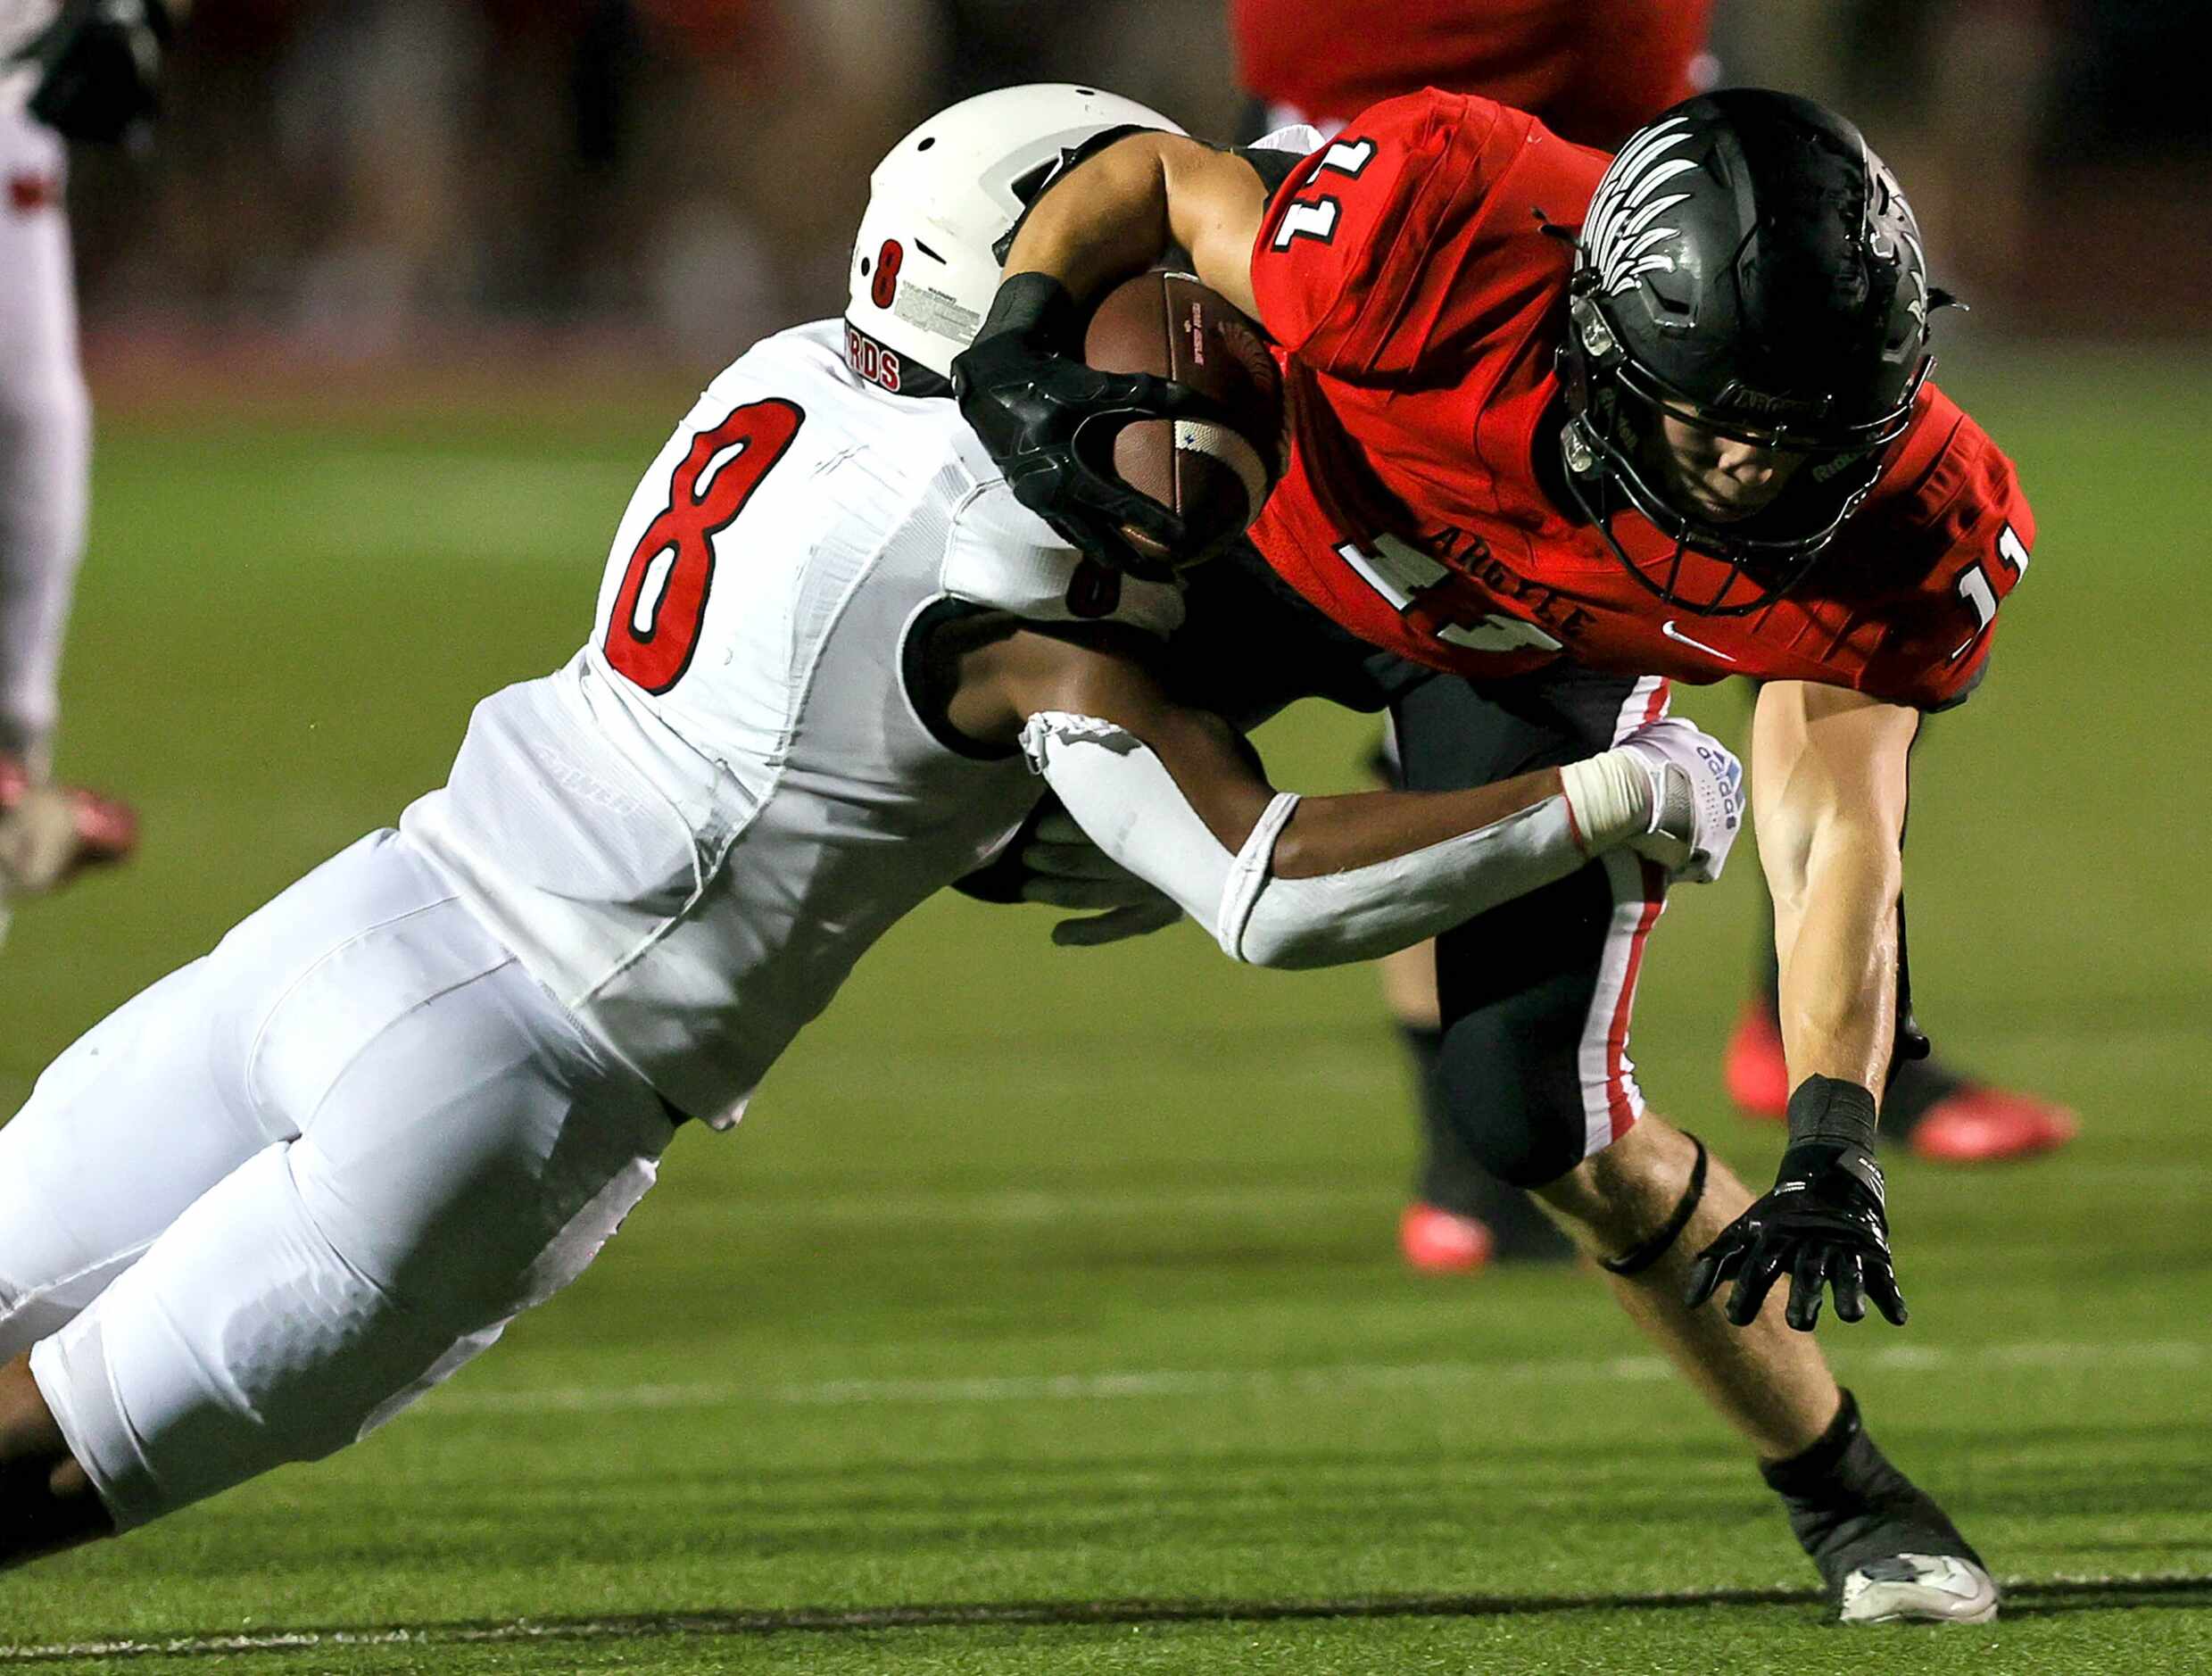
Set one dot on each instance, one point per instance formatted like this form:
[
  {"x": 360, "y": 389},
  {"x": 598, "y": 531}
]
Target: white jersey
[{"x": 690, "y": 832}]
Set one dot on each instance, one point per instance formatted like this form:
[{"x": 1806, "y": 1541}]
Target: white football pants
[
  {"x": 269, "y": 1203},
  {"x": 46, "y": 432}
]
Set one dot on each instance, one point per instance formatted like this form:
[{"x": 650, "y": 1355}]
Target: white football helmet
[{"x": 923, "y": 266}]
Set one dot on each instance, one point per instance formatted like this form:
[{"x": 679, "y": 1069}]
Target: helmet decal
[
  {"x": 1620, "y": 237},
  {"x": 1890, "y": 225},
  {"x": 885, "y": 284}
]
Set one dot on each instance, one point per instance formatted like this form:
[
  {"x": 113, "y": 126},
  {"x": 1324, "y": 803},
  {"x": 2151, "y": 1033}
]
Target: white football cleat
[
  {"x": 1697, "y": 797},
  {"x": 1920, "y": 1589}
]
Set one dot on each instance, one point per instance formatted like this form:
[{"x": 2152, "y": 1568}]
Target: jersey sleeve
[
  {"x": 1965, "y": 531},
  {"x": 1350, "y": 243}
]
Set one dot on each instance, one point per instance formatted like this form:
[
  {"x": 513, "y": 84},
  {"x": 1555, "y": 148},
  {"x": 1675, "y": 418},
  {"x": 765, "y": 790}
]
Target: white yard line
[{"x": 1170, "y": 1382}]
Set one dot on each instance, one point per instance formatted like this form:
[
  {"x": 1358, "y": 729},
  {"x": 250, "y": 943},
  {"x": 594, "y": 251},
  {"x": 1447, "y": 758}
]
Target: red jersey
[
  {"x": 1591, "y": 69},
  {"x": 1404, "y": 272}
]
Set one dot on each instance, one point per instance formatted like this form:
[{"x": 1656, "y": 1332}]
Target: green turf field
[{"x": 1045, "y": 1314}]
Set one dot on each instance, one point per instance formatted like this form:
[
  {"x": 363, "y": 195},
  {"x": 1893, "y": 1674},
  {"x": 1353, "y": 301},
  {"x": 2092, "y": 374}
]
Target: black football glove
[
  {"x": 1049, "y": 422},
  {"x": 1822, "y": 1223},
  {"x": 99, "y": 67}
]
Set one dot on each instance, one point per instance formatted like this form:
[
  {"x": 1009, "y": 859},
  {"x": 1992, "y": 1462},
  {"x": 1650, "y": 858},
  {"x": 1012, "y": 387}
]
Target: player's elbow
[{"x": 1284, "y": 944}]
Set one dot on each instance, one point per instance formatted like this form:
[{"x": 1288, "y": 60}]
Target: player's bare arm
[
  {"x": 1115, "y": 213},
  {"x": 1174, "y": 795},
  {"x": 1019, "y": 673},
  {"x": 1830, "y": 768}
]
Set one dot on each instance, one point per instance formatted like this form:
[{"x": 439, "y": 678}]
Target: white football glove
[
  {"x": 1062, "y": 867},
  {"x": 1697, "y": 797}
]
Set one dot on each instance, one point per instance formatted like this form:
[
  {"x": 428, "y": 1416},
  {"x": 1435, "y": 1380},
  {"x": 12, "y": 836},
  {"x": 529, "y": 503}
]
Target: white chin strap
[{"x": 1125, "y": 797}]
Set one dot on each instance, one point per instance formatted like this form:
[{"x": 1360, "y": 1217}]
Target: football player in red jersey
[
  {"x": 1592, "y": 71},
  {"x": 1561, "y": 428}
]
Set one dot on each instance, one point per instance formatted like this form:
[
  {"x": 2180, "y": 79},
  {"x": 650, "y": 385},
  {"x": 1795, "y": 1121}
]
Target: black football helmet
[{"x": 1750, "y": 268}]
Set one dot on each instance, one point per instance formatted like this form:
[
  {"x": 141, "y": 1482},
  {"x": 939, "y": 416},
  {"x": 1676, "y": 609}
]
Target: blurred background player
[
  {"x": 1592, "y": 71},
  {"x": 84, "y": 71}
]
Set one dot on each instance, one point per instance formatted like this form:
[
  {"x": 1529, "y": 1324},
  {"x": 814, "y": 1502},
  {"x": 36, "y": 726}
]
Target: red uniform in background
[
  {"x": 1405, "y": 271},
  {"x": 1591, "y": 69}
]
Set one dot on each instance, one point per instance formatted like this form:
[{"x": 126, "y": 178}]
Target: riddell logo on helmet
[{"x": 1740, "y": 397}]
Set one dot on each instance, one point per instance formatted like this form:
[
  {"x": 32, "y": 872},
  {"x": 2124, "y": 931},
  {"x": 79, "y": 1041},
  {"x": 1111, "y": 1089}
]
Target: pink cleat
[
  {"x": 1971, "y": 1124},
  {"x": 1756, "y": 1073},
  {"x": 1439, "y": 1241},
  {"x": 1976, "y": 1124}
]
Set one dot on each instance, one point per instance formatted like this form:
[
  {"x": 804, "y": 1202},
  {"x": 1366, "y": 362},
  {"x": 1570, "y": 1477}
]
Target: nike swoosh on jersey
[{"x": 1672, "y": 633}]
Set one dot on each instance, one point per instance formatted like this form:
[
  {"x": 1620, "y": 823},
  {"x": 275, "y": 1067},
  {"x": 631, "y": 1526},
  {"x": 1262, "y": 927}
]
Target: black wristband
[
  {"x": 1038, "y": 307},
  {"x": 1832, "y": 1112}
]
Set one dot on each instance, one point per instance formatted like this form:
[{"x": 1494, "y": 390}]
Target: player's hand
[
  {"x": 1823, "y": 1224},
  {"x": 1697, "y": 797},
  {"x": 99, "y": 67},
  {"x": 1060, "y": 866},
  {"x": 1049, "y": 422}
]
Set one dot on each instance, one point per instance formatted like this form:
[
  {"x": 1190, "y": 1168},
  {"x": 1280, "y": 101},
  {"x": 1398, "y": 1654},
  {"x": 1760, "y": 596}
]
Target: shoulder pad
[{"x": 1001, "y": 554}]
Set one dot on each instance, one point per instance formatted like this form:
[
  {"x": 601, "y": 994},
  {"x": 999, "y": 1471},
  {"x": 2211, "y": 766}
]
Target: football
[{"x": 1215, "y": 475}]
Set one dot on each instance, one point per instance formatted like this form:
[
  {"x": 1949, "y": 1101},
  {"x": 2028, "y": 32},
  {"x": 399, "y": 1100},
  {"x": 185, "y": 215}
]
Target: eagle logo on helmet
[
  {"x": 1893, "y": 236},
  {"x": 1622, "y": 233}
]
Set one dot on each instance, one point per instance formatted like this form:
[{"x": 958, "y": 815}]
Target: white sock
[{"x": 1609, "y": 797}]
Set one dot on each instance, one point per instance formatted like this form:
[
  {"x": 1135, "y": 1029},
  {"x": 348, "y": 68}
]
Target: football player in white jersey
[
  {"x": 291, "y": 1187},
  {"x": 75, "y": 70}
]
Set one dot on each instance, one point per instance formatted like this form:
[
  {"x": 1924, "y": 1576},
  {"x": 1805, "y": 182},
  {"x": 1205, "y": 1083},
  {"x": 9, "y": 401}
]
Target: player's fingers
[
  {"x": 1761, "y": 1268},
  {"x": 1148, "y": 396},
  {"x": 1055, "y": 826},
  {"x": 1809, "y": 1279},
  {"x": 1108, "y": 503},
  {"x": 1140, "y": 515},
  {"x": 1713, "y": 1265},
  {"x": 1083, "y": 892},
  {"x": 1117, "y": 926},
  {"x": 1851, "y": 1288},
  {"x": 1882, "y": 1287},
  {"x": 1073, "y": 861}
]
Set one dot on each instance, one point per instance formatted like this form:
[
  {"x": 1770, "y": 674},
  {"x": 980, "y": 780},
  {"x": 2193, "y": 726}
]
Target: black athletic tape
[
  {"x": 1806, "y": 1472},
  {"x": 1641, "y": 1256},
  {"x": 1833, "y": 1112}
]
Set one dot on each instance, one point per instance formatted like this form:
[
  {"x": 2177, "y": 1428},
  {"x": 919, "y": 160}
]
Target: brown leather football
[{"x": 1213, "y": 475}]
